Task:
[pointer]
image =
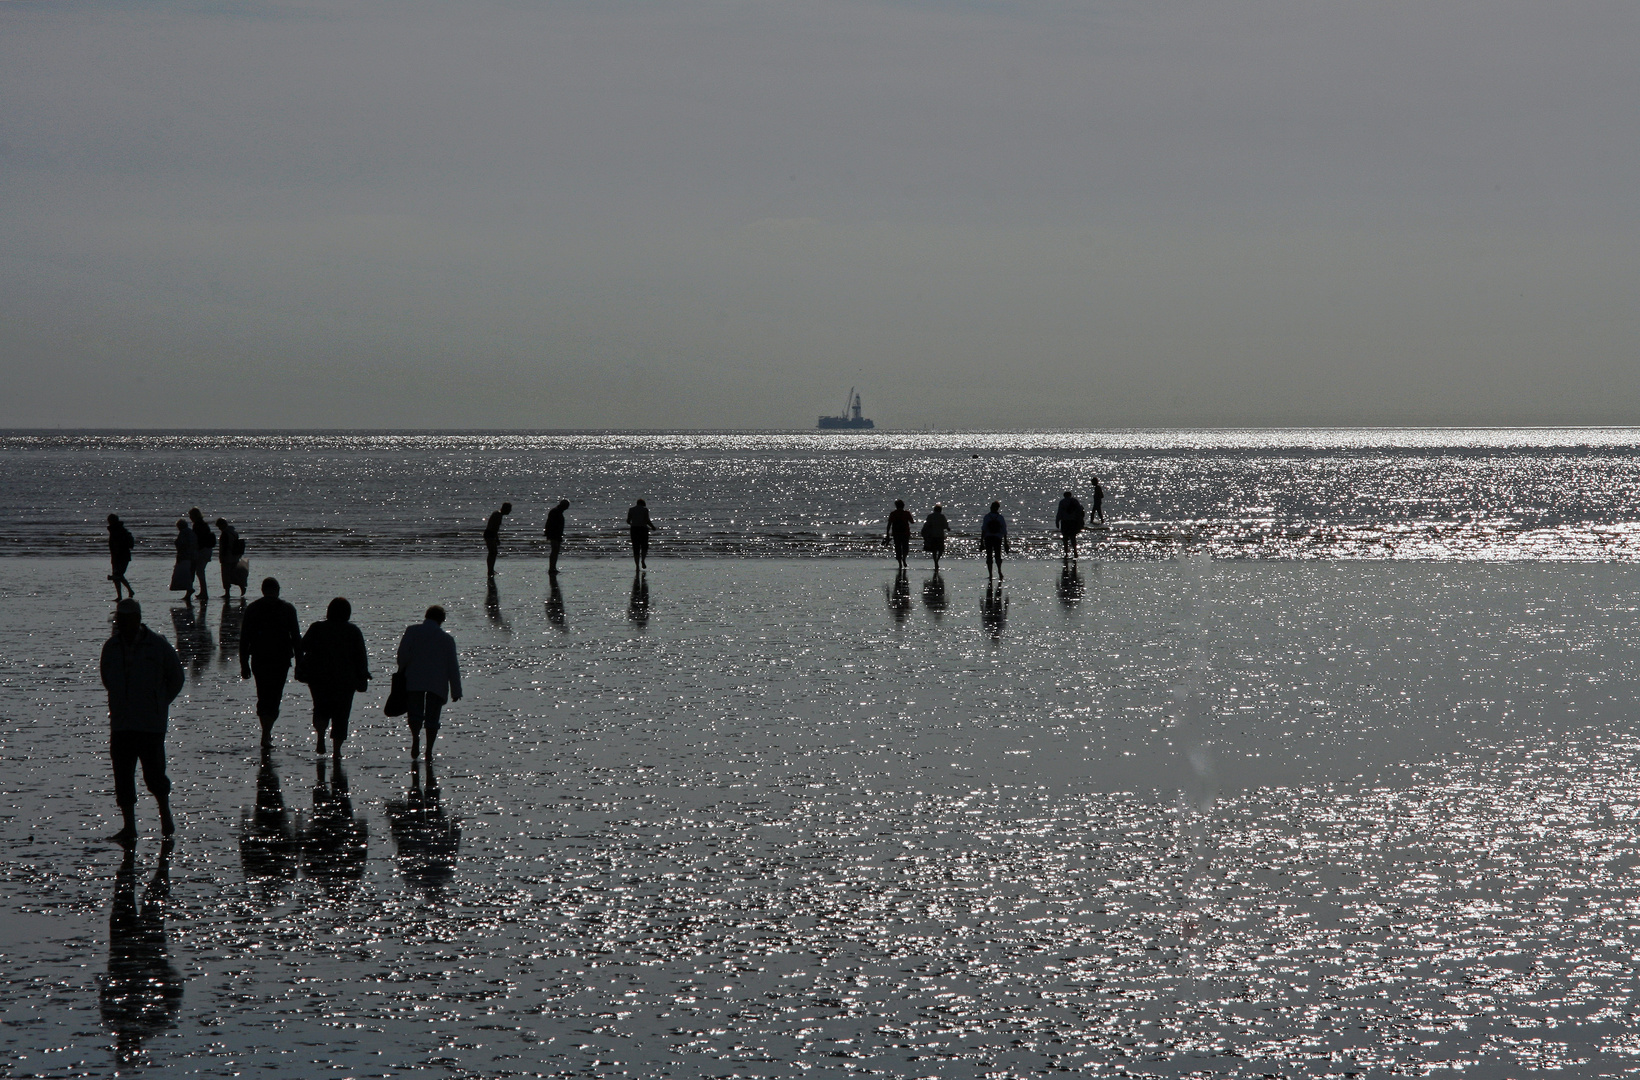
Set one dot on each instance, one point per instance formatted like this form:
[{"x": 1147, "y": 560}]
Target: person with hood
[
  {"x": 336, "y": 666},
  {"x": 120, "y": 543},
  {"x": 143, "y": 675},
  {"x": 933, "y": 534},
  {"x": 432, "y": 676}
]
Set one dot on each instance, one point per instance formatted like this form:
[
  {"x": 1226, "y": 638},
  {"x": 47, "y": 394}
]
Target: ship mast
[{"x": 856, "y": 404}]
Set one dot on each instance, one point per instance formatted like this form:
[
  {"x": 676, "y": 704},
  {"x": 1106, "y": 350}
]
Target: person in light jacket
[
  {"x": 432, "y": 676},
  {"x": 143, "y": 675}
]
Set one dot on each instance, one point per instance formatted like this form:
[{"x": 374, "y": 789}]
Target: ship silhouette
[{"x": 851, "y": 420}]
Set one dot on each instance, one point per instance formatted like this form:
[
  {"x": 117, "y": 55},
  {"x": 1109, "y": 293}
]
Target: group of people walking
[
  {"x": 1070, "y": 518},
  {"x": 196, "y": 545}
]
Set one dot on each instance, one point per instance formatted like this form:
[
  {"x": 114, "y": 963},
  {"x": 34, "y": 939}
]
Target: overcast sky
[{"x": 691, "y": 213}]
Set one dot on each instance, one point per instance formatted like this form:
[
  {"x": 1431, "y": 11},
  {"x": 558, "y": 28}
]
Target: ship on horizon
[{"x": 851, "y": 420}]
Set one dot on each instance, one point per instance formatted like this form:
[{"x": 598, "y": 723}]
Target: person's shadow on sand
[
  {"x": 142, "y": 991},
  {"x": 555, "y": 609},
  {"x": 993, "y": 611},
  {"x": 426, "y": 836},
  {"x": 637, "y": 608},
  {"x": 899, "y": 597},
  {"x": 193, "y": 637},
  {"x": 227, "y": 635},
  {"x": 933, "y": 595},
  {"x": 334, "y": 843},
  {"x": 267, "y": 836}
]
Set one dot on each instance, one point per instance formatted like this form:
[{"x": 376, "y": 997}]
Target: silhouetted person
[
  {"x": 555, "y": 535},
  {"x": 192, "y": 636},
  {"x": 934, "y": 528},
  {"x": 933, "y": 595},
  {"x": 120, "y": 543},
  {"x": 334, "y": 843},
  {"x": 142, "y": 992},
  {"x": 898, "y": 531},
  {"x": 426, "y": 837},
  {"x": 1098, "y": 498},
  {"x": 555, "y": 608},
  {"x": 432, "y": 676},
  {"x": 143, "y": 675},
  {"x": 993, "y": 611},
  {"x": 637, "y": 606},
  {"x": 492, "y": 537},
  {"x": 205, "y": 541},
  {"x": 639, "y": 525},
  {"x": 899, "y": 597},
  {"x": 269, "y": 641},
  {"x": 1070, "y": 586},
  {"x": 233, "y": 621},
  {"x": 267, "y": 837},
  {"x": 337, "y": 666},
  {"x": 1069, "y": 518},
  {"x": 182, "y": 574},
  {"x": 230, "y": 548},
  {"x": 993, "y": 538}
]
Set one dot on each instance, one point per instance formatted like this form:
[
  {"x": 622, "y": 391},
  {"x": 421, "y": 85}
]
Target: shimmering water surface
[
  {"x": 790, "y": 817},
  {"x": 1426, "y": 493}
]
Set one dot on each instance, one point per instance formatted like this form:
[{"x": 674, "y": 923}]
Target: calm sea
[{"x": 1497, "y": 493}]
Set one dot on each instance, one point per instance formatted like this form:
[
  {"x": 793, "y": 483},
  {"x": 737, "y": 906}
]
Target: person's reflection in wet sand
[
  {"x": 267, "y": 837},
  {"x": 637, "y": 608},
  {"x": 993, "y": 611},
  {"x": 933, "y": 595},
  {"x": 193, "y": 637},
  {"x": 492, "y": 608},
  {"x": 334, "y": 843},
  {"x": 233, "y": 617},
  {"x": 899, "y": 597},
  {"x": 426, "y": 836},
  {"x": 1070, "y": 586},
  {"x": 142, "y": 992},
  {"x": 555, "y": 608}
]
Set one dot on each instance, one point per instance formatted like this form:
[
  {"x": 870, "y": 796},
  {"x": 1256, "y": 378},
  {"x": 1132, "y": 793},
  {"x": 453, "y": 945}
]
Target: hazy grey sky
[{"x": 696, "y": 213}]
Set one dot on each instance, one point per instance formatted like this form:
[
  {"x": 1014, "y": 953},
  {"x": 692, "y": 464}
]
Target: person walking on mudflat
[
  {"x": 639, "y": 526},
  {"x": 205, "y": 540},
  {"x": 899, "y": 531},
  {"x": 269, "y": 640},
  {"x": 1069, "y": 519},
  {"x": 335, "y": 666},
  {"x": 230, "y": 549},
  {"x": 143, "y": 675},
  {"x": 120, "y": 543},
  {"x": 1098, "y": 498},
  {"x": 432, "y": 676},
  {"x": 182, "y": 574},
  {"x": 492, "y": 536},
  {"x": 555, "y": 535},
  {"x": 933, "y": 533},
  {"x": 993, "y": 538}
]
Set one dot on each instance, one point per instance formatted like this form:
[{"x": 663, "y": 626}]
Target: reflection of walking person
[
  {"x": 993, "y": 538},
  {"x": 268, "y": 641},
  {"x": 120, "y": 543},
  {"x": 492, "y": 536},
  {"x": 638, "y": 523},
  {"x": 142, "y": 992},
  {"x": 933, "y": 534},
  {"x": 899, "y": 531},
  {"x": 336, "y": 666},
  {"x": 1069, "y": 519},
  {"x": 143, "y": 675},
  {"x": 555, "y": 535},
  {"x": 432, "y": 676},
  {"x": 1098, "y": 498}
]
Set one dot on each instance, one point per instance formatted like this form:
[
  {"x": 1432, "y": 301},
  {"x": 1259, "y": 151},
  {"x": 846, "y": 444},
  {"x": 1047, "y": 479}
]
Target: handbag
[{"x": 398, "y": 699}]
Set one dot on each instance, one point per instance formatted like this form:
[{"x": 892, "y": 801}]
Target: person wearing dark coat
[
  {"x": 143, "y": 675},
  {"x": 933, "y": 534},
  {"x": 993, "y": 538},
  {"x": 120, "y": 543},
  {"x": 432, "y": 676},
  {"x": 269, "y": 639},
  {"x": 230, "y": 549},
  {"x": 492, "y": 537},
  {"x": 555, "y": 535},
  {"x": 182, "y": 574},
  {"x": 206, "y": 541},
  {"x": 639, "y": 525},
  {"x": 1069, "y": 518},
  {"x": 336, "y": 666}
]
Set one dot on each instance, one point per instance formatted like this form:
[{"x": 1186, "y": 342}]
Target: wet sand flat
[{"x": 780, "y": 817}]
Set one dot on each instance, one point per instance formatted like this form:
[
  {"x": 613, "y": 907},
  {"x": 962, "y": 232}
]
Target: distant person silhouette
[
  {"x": 205, "y": 540},
  {"x": 426, "y": 836},
  {"x": 637, "y": 606},
  {"x": 141, "y": 994},
  {"x": 1098, "y": 498},
  {"x": 993, "y": 611},
  {"x": 934, "y": 528},
  {"x": 555, "y": 608},
  {"x": 898, "y": 531},
  {"x": 269, "y": 641},
  {"x": 1069, "y": 518},
  {"x": 120, "y": 543},
  {"x": 555, "y": 535},
  {"x": 182, "y": 574},
  {"x": 432, "y": 676},
  {"x": 336, "y": 666},
  {"x": 267, "y": 837},
  {"x": 492, "y": 536},
  {"x": 933, "y": 595},
  {"x": 335, "y": 844},
  {"x": 143, "y": 675},
  {"x": 639, "y": 525},
  {"x": 230, "y": 550},
  {"x": 993, "y": 538},
  {"x": 899, "y": 597}
]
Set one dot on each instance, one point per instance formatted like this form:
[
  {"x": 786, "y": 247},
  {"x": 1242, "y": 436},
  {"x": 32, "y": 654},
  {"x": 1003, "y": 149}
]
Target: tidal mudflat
[{"x": 798, "y": 817}]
